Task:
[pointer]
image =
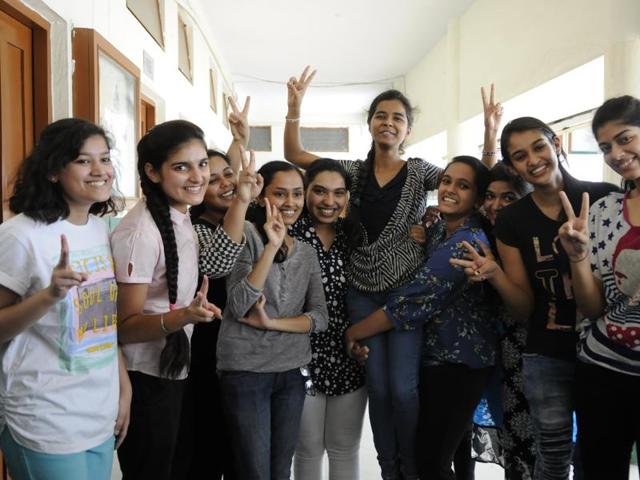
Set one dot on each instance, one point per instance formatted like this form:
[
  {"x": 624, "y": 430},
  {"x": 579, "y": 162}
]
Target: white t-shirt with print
[{"x": 59, "y": 378}]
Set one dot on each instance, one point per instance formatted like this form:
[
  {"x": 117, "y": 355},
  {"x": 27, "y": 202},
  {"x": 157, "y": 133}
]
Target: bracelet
[
  {"x": 489, "y": 153},
  {"x": 292, "y": 120},
  {"x": 311, "y": 322},
  {"x": 162, "y": 325},
  {"x": 580, "y": 259}
]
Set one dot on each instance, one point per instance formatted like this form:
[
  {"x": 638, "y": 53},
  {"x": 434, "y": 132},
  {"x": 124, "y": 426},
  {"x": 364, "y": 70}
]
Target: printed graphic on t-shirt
[
  {"x": 87, "y": 316},
  {"x": 553, "y": 282}
]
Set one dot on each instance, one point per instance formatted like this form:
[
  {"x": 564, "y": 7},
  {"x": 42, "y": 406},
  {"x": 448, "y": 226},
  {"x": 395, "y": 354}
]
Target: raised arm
[
  {"x": 574, "y": 236},
  {"x": 492, "y": 118},
  {"x": 239, "y": 126},
  {"x": 293, "y": 149}
]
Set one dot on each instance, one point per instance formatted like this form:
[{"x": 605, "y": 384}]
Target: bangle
[
  {"x": 162, "y": 325},
  {"x": 292, "y": 120},
  {"x": 311, "y": 322},
  {"x": 580, "y": 259},
  {"x": 489, "y": 153}
]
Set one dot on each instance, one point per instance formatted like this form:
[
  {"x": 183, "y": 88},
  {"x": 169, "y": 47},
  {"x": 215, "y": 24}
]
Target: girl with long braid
[{"x": 156, "y": 258}]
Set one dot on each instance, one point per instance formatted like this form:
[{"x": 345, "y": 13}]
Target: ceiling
[{"x": 364, "y": 42}]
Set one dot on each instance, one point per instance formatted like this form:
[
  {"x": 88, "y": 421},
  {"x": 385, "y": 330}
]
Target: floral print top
[
  {"x": 460, "y": 317},
  {"x": 332, "y": 371}
]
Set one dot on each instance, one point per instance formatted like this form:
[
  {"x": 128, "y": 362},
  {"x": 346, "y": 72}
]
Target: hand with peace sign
[
  {"x": 63, "y": 277},
  {"x": 492, "y": 110},
  {"x": 296, "y": 88},
  {"x": 574, "y": 233},
  {"x": 477, "y": 268},
  {"x": 249, "y": 182},
  {"x": 274, "y": 227},
  {"x": 200, "y": 310},
  {"x": 239, "y": 121}
]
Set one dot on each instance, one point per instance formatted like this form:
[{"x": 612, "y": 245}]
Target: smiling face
[
  {"x": 286, "y": 192},
  {"x": 326, "y": 197},
  {"x": 535, "y": 157},
  {"x": 389, "y": 125},
  {"x": 620, "y": 145},
  {"x": 457, "y": 191},
  {"x": 500, "y": 193},
  {"x": 88, "y": 178},
  {"x": 222, "y": 186},
  {"x": 183, "y": 177}
]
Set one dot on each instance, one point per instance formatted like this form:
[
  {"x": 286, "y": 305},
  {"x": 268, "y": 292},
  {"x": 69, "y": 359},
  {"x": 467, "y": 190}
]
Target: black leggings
[{"x": 449, "y": 395}]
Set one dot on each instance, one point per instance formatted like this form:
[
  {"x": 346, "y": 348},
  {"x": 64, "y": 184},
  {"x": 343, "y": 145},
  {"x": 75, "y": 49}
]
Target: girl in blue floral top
[{"x": 460, "y": 334}]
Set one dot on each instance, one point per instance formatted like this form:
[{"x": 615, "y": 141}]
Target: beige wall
[{"x": 519, "y": 44}]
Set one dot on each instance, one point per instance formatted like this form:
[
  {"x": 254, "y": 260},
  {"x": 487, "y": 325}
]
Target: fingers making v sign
[{"x": 574, "y": 233}]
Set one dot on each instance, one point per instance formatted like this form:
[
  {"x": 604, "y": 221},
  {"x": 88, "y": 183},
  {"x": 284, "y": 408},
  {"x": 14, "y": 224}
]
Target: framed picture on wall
[
  {"x": 106, "y": 90},
  {"x": 581, "y": 141}
]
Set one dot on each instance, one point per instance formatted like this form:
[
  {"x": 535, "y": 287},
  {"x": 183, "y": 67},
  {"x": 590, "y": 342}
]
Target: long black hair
[
  {"x": 257, "y": 214},
  {"x": 155, "y": 148},
  {"x": 34, "y": 193},
  {"x": 353, "y": 226},
  {"x": 572, "y": 187},
  {"x": 624, "y": 110}
]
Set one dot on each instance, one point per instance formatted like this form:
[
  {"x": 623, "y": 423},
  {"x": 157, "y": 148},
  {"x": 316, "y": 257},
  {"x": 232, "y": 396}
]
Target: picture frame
[
  {"x": 581, "y": 141},
  {"x": 106, "y": 91}
]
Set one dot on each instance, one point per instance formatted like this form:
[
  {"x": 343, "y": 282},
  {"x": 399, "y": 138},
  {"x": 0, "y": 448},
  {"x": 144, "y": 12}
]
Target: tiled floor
[{"x": 369, "y": 465}]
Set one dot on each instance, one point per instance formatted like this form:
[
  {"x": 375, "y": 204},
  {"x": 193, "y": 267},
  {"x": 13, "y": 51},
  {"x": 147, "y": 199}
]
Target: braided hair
[
  {"x": 155, "y": 148},
  {"x": 352, "y": 224}
]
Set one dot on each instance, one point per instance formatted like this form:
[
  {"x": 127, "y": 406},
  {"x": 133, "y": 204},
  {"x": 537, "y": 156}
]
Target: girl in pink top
[{"x": 156, "y": 257}]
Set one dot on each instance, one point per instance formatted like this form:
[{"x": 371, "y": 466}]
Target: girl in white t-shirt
[
  {"x": 156, "y": 260},
  {"x": 63, "y": 393}
]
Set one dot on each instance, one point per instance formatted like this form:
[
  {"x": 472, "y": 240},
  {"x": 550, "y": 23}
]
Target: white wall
[
  {"x": 517, "y": 44},
  {"x": 174, "y": 95}
]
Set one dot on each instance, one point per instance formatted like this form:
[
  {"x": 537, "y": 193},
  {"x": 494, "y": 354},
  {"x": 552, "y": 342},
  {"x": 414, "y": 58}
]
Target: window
[
  {"x": 213, "y": 103},
  {"x": 260, "y": 139},
  {"x": 149, "y": 14},
  {"x": 325, "y": 139},
  {"x": 185, "y": 49}
]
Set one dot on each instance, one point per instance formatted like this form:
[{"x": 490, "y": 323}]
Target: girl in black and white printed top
[
  {"x": 388, "y": 196},
  {"x": 333, "y": 412}
]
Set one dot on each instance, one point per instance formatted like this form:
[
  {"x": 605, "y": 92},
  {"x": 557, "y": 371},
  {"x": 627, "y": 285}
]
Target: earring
[{"x": 53, "y": 179}]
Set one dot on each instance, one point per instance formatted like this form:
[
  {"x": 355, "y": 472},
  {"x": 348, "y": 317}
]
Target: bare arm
[
  {"x": 492, "y": 118},
  {"x": 574, "y": 235},
  {"x": 134, "y": 326},
  {"x": 512, "y": 283},
  {"x": 293, "y": 149},
  {"x": 16, "y": 316}
]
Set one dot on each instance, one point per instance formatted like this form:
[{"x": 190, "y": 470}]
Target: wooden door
[
  {"x": 147, "y": 115},
  {"x": 16, "y": 98}
]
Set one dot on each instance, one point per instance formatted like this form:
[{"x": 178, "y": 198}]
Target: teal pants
[{"x": 26, "y": 464}]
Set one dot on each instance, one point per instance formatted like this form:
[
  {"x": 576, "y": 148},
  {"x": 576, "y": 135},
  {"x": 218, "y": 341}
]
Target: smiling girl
[
  {"x": 275, "y": 300},
  {"x": 460, "y": 332},
  {"x": 603, "y": 245},
  {"x": 333, "y": 413},
  {"x": 156, "y": 257},
  {"x": 60, "y": 405}
]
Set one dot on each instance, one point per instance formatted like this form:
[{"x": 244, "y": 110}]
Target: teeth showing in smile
[
  {"x": 623, "y": 164},
  {"x": 227, "y": 194},
  {"x": 449, "y": 200},
  {"x": 287, "y": 213},
  {"x": 193, "y": 189},
  {"x": 538, "y": 170},
  {"x": 328, "y": 212},
  {"x": 97, "y": 183}
]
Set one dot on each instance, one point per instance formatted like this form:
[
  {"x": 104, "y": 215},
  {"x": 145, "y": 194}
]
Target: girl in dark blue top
[{"x": 460, "y": 334}]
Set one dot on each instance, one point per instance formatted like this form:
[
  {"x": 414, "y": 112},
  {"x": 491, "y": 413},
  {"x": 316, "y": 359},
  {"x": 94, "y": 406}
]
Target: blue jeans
[
  {"x": 263, "y": 412},
  {"x": 392, "y": 382},
  {"x": 549, "y": 385},
  {"x": 26, "y": 464}
]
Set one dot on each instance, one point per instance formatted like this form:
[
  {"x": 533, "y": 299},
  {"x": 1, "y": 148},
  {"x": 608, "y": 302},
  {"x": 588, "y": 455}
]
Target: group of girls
[{"x": 110, "y": 342}]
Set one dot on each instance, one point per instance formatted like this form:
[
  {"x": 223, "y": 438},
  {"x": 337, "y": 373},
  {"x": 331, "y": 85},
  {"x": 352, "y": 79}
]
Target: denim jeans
[
  {"x": 263, "y": 413},
  {"x": 549, "y": 385},
  {"x": 392, "y": 383}
]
